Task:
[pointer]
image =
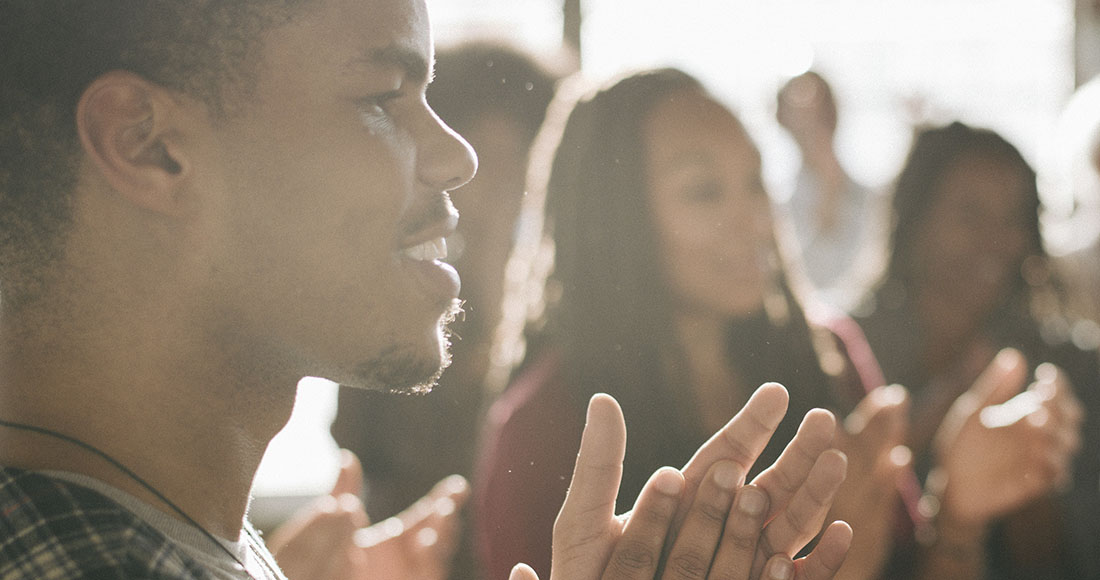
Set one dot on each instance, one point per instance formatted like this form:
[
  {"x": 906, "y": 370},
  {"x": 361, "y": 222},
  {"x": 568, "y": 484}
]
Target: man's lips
[
  {"x": 433, "y": 249},
  {"x": 438, "y": 221},
  {"x": 423, "y": 252},
  {"x": 437, "y": 279}
]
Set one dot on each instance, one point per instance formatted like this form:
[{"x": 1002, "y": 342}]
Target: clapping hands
[
  {"x": 1002, "y": 445},
  {"x": 332, "y": 539},
  {"x": 702, "y": 521}
]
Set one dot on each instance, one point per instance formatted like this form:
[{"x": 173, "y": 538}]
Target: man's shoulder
[{"x": 50, "y": 528}]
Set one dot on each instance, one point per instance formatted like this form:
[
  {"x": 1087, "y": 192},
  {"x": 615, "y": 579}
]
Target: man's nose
[{"x": 447, "y": 160}]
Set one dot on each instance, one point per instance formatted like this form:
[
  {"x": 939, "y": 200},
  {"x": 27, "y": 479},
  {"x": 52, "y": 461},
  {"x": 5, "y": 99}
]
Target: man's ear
[{"x": 127, "y": 126}]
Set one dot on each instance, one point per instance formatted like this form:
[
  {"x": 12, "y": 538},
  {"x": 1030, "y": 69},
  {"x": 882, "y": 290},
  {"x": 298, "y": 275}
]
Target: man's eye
[{"x": 373, "y": 113}]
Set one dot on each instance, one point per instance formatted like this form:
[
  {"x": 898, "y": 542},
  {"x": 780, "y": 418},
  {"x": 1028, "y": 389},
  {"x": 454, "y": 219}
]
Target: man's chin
[
  {"x": 408, "y": 369},
  {"x": 403, "y": 371}
]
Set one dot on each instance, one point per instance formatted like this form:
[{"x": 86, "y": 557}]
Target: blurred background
[
  {"x": 1010, "y": 65},
  {"x": 1006, "y": 64}
]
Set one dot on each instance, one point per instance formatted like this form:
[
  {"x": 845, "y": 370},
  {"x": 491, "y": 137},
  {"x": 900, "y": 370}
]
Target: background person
[
  {"x": 838, "y": 223},
  {"x": 967, "y": 277},
  {"x": 667, "y": 292}
]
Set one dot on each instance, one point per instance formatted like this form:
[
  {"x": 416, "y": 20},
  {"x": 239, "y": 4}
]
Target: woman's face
[
  {"x": 974, "y": 237},
  {"x": 709, "y": 206}
]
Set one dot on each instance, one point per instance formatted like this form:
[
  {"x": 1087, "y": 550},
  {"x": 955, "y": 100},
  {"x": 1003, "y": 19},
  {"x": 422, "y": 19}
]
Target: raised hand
[
  {"x": 873, "y": 437},
  {"x": 332, "y": 539},
  {"x": 1001, "y": 446},
  {"x": 712, "y": 541},
  {"x": 801, "y": 485}
]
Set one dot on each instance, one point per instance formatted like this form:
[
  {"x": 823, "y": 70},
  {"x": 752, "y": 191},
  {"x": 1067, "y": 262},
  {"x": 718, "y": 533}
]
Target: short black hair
[{"x": 51, "y": 50}]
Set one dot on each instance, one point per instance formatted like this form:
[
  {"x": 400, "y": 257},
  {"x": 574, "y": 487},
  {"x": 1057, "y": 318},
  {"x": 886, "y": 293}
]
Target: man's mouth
[
  {"x": 424, "y": 248},
  {"x": 433, "y": 249},
  {"x": 435, "y": 277}
]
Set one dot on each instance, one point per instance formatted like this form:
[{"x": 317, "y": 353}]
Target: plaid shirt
[{"x": 53, "y": 529}]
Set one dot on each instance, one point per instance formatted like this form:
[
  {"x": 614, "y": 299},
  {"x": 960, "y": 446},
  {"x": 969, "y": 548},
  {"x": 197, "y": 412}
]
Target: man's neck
[{"x": 191, "y": 428}]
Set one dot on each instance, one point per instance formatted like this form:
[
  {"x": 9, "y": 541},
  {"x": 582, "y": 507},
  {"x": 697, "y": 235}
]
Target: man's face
[
  {"x": 490, "y": 207},
  {"x": 332, "y": 197}
]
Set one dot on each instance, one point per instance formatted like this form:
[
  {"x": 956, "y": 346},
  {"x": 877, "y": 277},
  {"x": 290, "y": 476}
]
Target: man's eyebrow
[{"x": 416, "y": 68}]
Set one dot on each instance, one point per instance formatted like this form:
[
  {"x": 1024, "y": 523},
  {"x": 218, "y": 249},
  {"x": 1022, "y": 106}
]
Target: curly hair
[{"x": 51, "y": 50}]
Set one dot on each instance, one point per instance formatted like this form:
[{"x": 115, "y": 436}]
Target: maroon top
[
  {"x": 526, "y": 461},
  {"x": 530, "y": 445}
]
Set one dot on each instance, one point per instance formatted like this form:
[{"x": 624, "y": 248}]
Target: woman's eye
[{"x": 704, "y": 192}]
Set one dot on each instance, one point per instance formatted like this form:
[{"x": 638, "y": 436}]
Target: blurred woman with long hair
[
  {"x": 667, "y": 291},
  {"x": 967, "y": 278}
]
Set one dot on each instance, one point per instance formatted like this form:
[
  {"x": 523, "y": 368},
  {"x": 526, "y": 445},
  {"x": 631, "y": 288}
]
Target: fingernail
[
  {"x": 891, "y": 395},
  {"x": 455, "y": 484},
  {"x": 444, "y": 506},
  {"x": 1046, "y": 372},
  {"x": 751, "y": 501},
  {"x": 349, "y": 503},
  {"x": 726, "y": 476},
  {"x": 668, "y": 482},
  {"x": 781, "y": 570},
  {"x": 901, "y": 456},
  {"x": 1007, "y": 358}
]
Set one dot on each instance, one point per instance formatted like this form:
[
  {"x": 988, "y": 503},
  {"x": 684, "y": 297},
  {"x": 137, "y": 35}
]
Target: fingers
[
  {"x": 820, "y": 564},
  {"x": 1003, "y": 379},
  {"x": 735, "y": 554},
  {"x": 1045, "y": 421},
  {"x": 522, "y": 572},
  {"x": 434, "y": 520},
  {"x": 786, "y": 476},
  {"x": 599, "y": 466},
  {"x": 1053, "y": 388},
  {"x": 1061, "y": 392},
  {"x": 881, "y": 414},
  {"x": 743, "y": 438},
  {"x": 691, "y": 554},
  {"x": 587, "y": 516},
  {"x": 801, "y": 519},
  {"x": 828, "y": 555},
  {"x": 779, "y": 567},
  {"x": 895, "y": 466},
  {"x": 637, "y": 554},
  {"x": 316, "y": 541},
  {"x": 873, "y": 433},
  {"x": 350, "y": 478},
  {"x": 430, "y": 523}
]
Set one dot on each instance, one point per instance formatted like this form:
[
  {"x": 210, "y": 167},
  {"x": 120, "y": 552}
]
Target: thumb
[
  {"x": 522, "y": 572},
  {"x": 350, "y": 478},
  {"x": 1003, "y": 379}
]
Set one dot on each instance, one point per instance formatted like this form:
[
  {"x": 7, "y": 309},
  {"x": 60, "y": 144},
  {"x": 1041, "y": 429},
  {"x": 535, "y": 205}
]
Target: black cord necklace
[{"x": 148, "y": 487}]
